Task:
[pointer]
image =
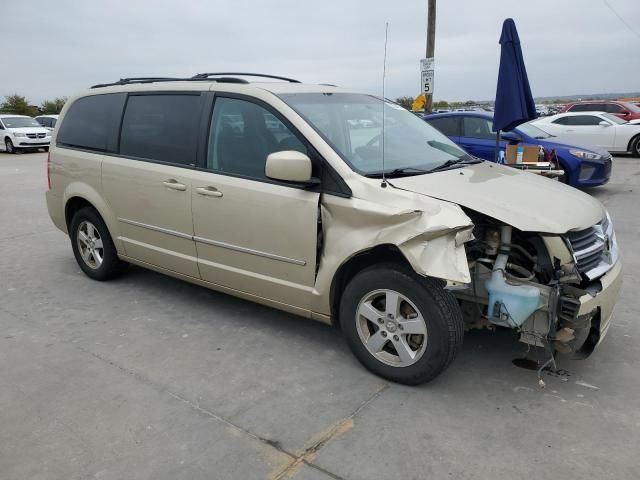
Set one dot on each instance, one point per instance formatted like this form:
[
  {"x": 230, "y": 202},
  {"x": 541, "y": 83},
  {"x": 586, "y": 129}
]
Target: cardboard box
[{"x": 530, "y": 154}]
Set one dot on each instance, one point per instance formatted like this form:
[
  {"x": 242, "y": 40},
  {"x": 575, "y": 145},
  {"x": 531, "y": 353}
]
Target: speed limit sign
[{"x": 427, "y": 81}]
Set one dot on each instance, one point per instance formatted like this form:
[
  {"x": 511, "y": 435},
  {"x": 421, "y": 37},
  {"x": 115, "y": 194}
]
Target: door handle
[
  {"x": 174, "y": 185},
  {"x": 209, "y": 191}
]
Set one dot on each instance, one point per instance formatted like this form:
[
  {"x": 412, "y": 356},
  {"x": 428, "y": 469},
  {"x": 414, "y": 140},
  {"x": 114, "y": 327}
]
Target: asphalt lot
[{"x": 148, "y": 377}]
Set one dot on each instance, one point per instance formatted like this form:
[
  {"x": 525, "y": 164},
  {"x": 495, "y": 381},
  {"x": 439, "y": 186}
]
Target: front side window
[
  {"x": 90, "y": 123},
  {"x": 243, "y": 134},
  {"x": 161, "y": 127},
  {"x": 561, "y": 121},
  {"x": 20, "y": 122},
  {"x": 352, "y": 125},
  {"x": 476, "y": 127}
]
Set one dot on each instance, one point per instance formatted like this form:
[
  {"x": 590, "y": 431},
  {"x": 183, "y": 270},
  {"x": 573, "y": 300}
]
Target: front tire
[
  {"x": 401, "y": 326},
  {"x": 8, "y": 146},
  {"x": 635, "y": 147},
  {"x": 93, "y": 247}
]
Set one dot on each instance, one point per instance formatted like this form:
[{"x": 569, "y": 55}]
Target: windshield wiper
[
  {"x": 406, "y": 171},
  {"x": 468, "y": 160}
]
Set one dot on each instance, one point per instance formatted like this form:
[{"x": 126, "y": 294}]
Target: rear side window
[
  {"x": 91, "y": 123},
  {"x": 450, "y": 126},
  {"x": 161, "y": 127}
]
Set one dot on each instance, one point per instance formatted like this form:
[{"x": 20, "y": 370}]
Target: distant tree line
[
  {"x": 406, "y": 102},
  {"x": 19, "y": 105}
]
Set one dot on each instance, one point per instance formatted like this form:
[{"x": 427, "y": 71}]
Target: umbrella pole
[{"x": 497, "y": 155}]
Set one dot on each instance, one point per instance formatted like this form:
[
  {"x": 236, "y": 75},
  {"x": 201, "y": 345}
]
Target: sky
[{"x": 57, "y": 48}]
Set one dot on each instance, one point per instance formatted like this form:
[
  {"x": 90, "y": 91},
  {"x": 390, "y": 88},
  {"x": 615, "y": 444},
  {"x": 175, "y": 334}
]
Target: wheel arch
[
  {"x": 632, "y": 140},
  {"x": 384, "y": 253},
  {"x": 78, "y": 196}
]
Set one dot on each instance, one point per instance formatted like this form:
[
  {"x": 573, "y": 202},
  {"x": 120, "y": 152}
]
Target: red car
[{"x": 625, "y": 110}]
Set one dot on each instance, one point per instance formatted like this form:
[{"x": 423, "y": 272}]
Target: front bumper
[
  {"x": 32, "y": 142},
  {"x": 599, "y": 306}
]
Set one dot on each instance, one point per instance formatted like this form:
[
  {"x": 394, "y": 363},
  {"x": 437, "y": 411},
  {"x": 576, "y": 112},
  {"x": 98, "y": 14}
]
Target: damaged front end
[{"x": 557, "y": 291}]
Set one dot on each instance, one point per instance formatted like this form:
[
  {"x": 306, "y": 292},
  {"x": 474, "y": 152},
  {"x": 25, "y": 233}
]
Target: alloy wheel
[
  {"x": 90, "y": 245},
  {"x": 391, "y": 328}
]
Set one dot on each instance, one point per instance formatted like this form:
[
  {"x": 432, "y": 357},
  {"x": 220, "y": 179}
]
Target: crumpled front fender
[{"x": 423, "y": 229}]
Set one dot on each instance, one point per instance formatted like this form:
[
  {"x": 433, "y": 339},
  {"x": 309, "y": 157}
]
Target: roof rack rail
[
  {"x": 203, "y": 76},
  {"x": 127, "y": 81}
]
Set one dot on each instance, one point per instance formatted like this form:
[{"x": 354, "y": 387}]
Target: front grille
[
  {"x": 594, "y": 249},
  {"x": 42, "y": 135},
  {"x": 36, "y": 135}
]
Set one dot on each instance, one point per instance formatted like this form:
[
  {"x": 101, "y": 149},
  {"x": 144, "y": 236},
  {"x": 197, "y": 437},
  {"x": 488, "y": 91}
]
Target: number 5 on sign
[{"x": 427, "y": 81}]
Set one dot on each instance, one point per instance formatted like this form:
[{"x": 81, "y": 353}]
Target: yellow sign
[{"x": 418, "y": 103}]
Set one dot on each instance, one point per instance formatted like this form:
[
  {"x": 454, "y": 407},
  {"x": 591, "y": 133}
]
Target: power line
[{"x": 621, "y": 19}]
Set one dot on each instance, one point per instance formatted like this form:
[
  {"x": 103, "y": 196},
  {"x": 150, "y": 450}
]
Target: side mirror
[
  {"x": 604, "y": 124},
  {"x": 289, "y": 166}
]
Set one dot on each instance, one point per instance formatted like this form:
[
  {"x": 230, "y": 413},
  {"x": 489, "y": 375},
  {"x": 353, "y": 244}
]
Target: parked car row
[
  {"x": 584, "y": 165},
  {"x": 602, "y": 129},
  {"x": 21, "y": 133}
]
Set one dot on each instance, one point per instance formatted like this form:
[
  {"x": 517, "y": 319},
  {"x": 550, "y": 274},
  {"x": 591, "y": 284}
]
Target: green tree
[
  {"x": 19, "y": 105},
  {"x": 441, "y": 104},
  {"x": 53, "y": 107},
  {"x": 406, "y": 102}
]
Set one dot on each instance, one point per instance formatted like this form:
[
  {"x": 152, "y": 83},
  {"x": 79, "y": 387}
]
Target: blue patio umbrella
[{"x": 514, "y": 102}]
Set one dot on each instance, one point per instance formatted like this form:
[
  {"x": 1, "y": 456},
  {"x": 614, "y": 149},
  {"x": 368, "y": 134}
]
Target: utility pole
[{"x": 431, "y": 44}]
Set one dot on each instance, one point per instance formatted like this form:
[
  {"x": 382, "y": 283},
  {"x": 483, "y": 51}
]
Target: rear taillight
[{"x": 49, "y": 170}]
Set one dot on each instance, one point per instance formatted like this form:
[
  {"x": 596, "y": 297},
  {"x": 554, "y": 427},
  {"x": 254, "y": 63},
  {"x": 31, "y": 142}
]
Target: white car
[
  {"x": 595, "y": 128},
  {"x": 19, "y": 132},
  {"x": 48, "y": 121}
]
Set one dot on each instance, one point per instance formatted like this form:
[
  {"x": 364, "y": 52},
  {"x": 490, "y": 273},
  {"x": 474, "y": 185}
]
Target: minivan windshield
[
  {"x": 352, "y": 125},
  {"x": 20, "y": 122}
]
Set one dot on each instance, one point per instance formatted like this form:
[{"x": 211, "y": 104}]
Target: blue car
[{"x": 584, "y": 166}]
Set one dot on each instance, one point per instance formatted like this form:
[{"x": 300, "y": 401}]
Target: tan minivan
[{"x": 335, "y": 206}]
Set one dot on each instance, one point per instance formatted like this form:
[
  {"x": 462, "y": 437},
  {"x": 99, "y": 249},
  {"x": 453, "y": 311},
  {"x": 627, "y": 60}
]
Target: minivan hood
[{"x": 523, "y": 200}]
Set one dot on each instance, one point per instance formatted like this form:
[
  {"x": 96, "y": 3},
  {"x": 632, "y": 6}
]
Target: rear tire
[
  {"x": 93, "y": 247},
  {"x": 401, "y": 326}
]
